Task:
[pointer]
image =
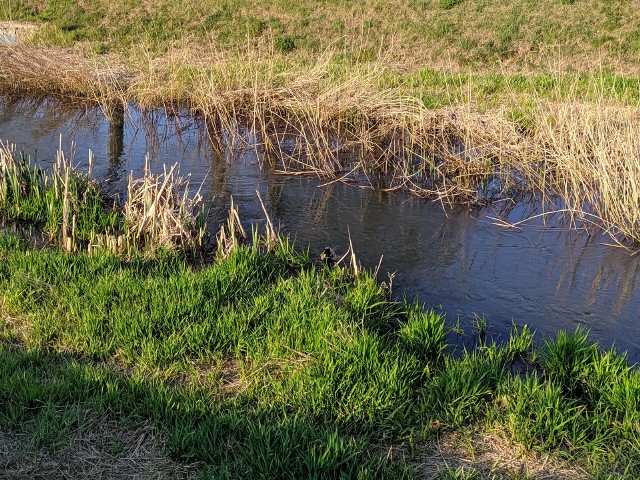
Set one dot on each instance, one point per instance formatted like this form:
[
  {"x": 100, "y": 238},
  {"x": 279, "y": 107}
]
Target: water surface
[{"x": 459, "y": 261}]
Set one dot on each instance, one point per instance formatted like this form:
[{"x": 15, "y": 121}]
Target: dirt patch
[
  {"x": 100, "y": 447},
  {"x": 490, "y": 455}
]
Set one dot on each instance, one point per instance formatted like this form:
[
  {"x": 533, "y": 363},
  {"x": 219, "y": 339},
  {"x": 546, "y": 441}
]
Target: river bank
[
  {"x": 233, "y": 356},
  {"x": 236, "y": 362},
  {"x": 129, "y": 343}
]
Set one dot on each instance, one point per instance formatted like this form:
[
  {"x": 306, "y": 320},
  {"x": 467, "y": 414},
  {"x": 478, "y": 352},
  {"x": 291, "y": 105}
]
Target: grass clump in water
[{"x": 64, "y": 201}]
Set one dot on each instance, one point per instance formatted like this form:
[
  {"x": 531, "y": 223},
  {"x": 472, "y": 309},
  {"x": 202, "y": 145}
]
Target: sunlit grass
[
  {"x": 264, "y": 364},
  {"x": 160, "y": 211}
]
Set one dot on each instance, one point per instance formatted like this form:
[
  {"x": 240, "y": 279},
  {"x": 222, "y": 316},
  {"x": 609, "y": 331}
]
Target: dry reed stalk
[
  {"x": 271, "y": 235},
  {"x": 592, "y": 161},
  {"x": 7, "y": 161},
  {"x": 161, "y": 213},
  {"x": 231, "y": 234},
  {"x": 8, "y": 171}
]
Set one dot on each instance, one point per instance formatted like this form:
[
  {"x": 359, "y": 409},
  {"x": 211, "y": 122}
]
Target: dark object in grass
[{"x": 328, "y": 256}]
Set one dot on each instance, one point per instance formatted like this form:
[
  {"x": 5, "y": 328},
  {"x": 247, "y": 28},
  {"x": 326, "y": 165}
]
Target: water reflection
[
  {"x": 116, "y": 135},
  {"x": 460, "y": 261}
]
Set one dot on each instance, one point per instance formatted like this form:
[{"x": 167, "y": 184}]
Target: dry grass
[
  {"x": 99, "y": 447},
  {"x": 591, "y": 159},
  {"x": 20, "y": 30},
  {"x": 492, "y": 456},
  {"x": 350, "y": 124},
  {"x": 160, "y": 212},
  {"x": 232, "y": 234},
  {"x": 63, "y": 73}
]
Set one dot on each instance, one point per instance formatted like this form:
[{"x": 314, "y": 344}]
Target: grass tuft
[{"x": 161, "y": 212}]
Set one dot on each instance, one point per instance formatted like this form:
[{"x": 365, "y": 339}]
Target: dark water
[{"x": 460, "y": 261}]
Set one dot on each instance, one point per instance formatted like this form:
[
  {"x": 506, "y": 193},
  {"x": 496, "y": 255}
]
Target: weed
[{"x": 446, "y": 4}]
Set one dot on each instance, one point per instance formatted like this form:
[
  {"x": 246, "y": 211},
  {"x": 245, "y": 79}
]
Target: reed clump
[
  {"x": 590, "y": 157},
  {"x": 63, "y": 73},
  {"x": 370, "y": 123},
  {"x": 162, "y": 212},
  {"x": 231, "y": 234},
  {"x": 66, "y": 203}
]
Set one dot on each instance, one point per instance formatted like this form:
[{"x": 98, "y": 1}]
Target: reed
[
  {"x": 42, "y": 72},
  {"x": 67, "y": 205},
  {"x": 592, "y": 163},
  {"x": 564, "y": 138},
  {"x": 162, "y": 212},
  {"x": 231, "y": 234}
]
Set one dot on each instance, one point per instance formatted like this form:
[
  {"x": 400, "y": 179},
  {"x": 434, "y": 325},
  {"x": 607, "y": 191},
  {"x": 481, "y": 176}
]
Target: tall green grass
[
  {"x": 264, "y": 364},
  {"x": 30, "y": 194},
  {"x": 159, "y": 212}
]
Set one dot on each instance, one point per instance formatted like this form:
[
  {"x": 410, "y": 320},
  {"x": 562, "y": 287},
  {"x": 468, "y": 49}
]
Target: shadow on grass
[{"x": 50, "y": 401}]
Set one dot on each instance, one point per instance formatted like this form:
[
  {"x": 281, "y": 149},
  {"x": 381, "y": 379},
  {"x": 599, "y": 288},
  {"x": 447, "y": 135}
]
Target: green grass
[
  {"x": 69, "y": 208},
  {"x": 264, "y": 365},
  {"x": 468, "y": 32},
  {"x": 29, "y": 194}
]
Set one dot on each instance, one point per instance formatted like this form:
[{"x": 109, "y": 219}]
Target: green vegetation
[
  {"x": 543, "y": 33},
  {"x": 253, "y": 361},
  {"x": 258, "y": 363},
  {"x": 70, "y": 209},
  {"x": 54, "y": 200},
  {"x": 264, "y": 365}
]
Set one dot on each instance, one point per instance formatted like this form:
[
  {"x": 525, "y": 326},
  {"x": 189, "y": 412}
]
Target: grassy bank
[
  {"x": 263, "y": 365},
  {"x": 255, "y": 361},
  {"x": 578, "y": 34}
]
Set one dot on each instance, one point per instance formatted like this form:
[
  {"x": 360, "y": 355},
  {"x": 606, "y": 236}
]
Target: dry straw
[
  {"x": 160, "y": 212},
  {"x": 231, "y": 234},
  {"x": 312, "y": 118}
]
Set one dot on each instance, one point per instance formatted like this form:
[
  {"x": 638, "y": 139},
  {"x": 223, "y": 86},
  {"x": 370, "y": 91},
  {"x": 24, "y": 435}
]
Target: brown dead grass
[
  {"x": 162, "y": 212},
  {"x": 63, "y": 73},
  {"x": 99, "y": 447},
  {"x": 346, "y": 126},
  {"x": 492, "y": 456}
]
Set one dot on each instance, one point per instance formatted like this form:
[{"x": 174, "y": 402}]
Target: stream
[{"x": 457, "y": 260}]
